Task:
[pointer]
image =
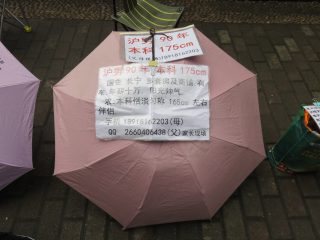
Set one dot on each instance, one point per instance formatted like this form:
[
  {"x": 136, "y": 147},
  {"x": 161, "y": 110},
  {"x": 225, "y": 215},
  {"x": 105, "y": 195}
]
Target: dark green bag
[{"x": 298, "y": 150}]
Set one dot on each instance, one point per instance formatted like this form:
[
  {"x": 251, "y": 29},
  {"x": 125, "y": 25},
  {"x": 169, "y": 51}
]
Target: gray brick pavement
[{"x": 268, "y": 205}]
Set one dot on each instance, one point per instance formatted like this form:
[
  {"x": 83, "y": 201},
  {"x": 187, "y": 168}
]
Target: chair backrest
[
  {"x": 145, "y": 14},
  {"x": 128, "y": 5}
]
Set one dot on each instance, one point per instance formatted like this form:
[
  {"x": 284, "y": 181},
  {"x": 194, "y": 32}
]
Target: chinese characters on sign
[
  {"x": 314, "y": 112},
  {"x": 168, "y": 102},
  {"x": 1, "y": 63},
  {"x": 169, "y": 47}
]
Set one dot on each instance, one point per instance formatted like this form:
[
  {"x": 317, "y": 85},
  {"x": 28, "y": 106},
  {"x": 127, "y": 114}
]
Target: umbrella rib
[
  {"x": 199, "y": 186},
  {"x": 21, "y": 83},
  {"x": 95, "y": 161},
  {"x": 245, "y": 147},
  {"x": 196, "y": 180},
  {"x": 142, "y": 201},
  {"x": 134, "y": 164},
  {"x": 10, "y": 165},
  {"x": 146, "y": 193},
  {"x": 242, "y": 82},
  {"x": 91, "y": 101}
]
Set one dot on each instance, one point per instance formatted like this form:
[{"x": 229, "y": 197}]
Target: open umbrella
[
  {"x": 142, "y": 183},
  {"x": 18, "y": 92}
]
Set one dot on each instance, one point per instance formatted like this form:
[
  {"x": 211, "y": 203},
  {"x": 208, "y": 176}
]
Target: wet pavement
[{"x": 231, "y": 11}]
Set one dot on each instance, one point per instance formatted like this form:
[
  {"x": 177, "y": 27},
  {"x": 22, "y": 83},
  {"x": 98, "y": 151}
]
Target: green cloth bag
[{"x": 298, "y": 150}]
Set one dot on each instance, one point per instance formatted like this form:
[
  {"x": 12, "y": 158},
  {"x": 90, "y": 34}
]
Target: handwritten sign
[
  {"x": 314, "y": 112},
  {"x": 169, "y": 46},
  {"x": 168, "y": 102}
]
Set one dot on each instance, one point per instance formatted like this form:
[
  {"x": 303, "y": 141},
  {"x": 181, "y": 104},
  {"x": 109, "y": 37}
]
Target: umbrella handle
[{"x": 153, "y": 62}]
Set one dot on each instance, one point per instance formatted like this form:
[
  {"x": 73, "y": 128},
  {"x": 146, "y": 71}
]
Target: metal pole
[
  {"x": 2, "y": 15},
  {"x": 115, "y": 15},
  {"x": 15, "y": 17},
  {"x": 26, "y": 26},
  {"x": 152, "y": 33}
]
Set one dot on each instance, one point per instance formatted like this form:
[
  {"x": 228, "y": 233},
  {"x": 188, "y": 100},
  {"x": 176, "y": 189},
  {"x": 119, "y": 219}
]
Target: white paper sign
[
  {"x": 168, "y": 102},
  {"x": 169, "y": 47},
  {"x": 314, "y": 112}
]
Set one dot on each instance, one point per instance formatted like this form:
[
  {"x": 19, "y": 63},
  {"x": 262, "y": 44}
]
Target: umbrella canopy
[
  {"x": 18, "y": 92},
  {"x": 142, "y": 183}
]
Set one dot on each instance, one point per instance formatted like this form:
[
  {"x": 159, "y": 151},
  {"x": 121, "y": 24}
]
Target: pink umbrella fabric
[
  {"x": 18, "y": 92},
  {"x": 142, "y": 183}
]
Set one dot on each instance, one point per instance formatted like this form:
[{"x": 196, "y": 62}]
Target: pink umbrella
[
  {"x": 18, "y": 92},
  {"x": 142, "y": 183}
]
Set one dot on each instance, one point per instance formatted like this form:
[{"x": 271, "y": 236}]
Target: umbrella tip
[{"x": 51, "y": 83}]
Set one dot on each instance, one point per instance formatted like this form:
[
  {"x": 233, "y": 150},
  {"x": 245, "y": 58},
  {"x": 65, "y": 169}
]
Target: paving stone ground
[
  {"x": 239, "y": 11},
  {"x": 267, "y": 205}
]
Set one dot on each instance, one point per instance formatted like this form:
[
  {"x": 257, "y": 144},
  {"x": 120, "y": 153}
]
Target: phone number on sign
[
  {"x": 179, "y": 54},
  {"x": 145, "y": 132},
  {"x": 154, "y": 121},
  {"x": 139, "y": 132}
]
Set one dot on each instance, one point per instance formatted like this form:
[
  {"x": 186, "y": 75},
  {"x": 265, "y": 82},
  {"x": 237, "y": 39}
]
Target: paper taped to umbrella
[
  {"x": 169, "y": 45},
  {"x": 168, "y": 102}
]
